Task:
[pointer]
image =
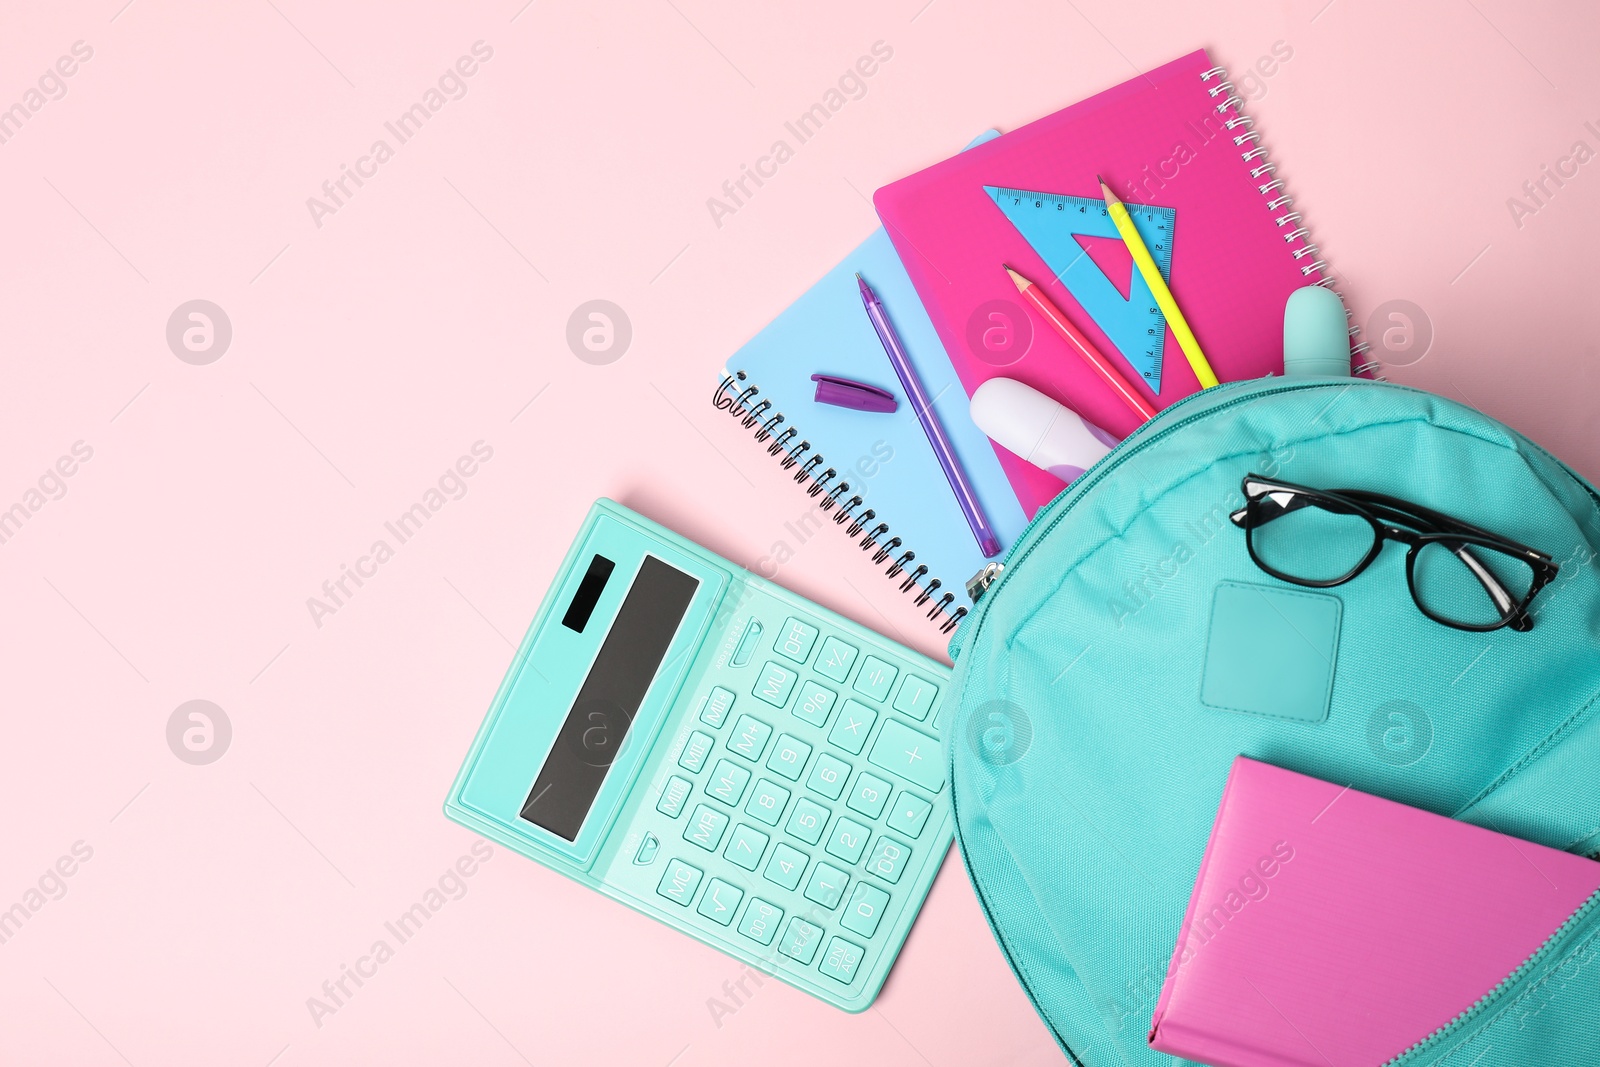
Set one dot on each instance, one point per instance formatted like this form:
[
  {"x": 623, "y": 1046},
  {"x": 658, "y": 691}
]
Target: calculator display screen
[{"x": 609, "y": 698}]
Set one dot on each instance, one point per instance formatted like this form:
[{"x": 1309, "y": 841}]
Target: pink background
[{"x": 423, "y": 316}]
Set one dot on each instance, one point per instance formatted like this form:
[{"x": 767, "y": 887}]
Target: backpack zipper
[{"x": 1489, "y": 999}]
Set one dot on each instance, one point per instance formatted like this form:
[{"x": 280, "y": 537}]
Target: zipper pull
[{"x": 979, "y": 583}]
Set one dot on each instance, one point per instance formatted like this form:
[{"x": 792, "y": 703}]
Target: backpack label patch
[{"x": 1271, "y": 651}]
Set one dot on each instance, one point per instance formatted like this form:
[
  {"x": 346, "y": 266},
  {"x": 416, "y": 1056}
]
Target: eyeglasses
[{"x": 1459, "y": 575}]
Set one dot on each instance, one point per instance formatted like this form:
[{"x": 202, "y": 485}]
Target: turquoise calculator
[{"x": 720, "y": 754}]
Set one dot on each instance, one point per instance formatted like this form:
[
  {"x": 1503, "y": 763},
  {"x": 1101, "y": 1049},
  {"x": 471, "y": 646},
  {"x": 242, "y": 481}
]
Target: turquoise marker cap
[{"x": 1316, "y": 339}]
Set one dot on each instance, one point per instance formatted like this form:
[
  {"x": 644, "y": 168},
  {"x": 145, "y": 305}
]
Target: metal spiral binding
[
  {"x": 1254, "y": 153},
  {"x": 741, "y": 400}
]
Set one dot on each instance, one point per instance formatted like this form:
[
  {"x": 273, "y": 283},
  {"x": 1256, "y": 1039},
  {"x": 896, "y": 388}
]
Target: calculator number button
[
  {"x": 827, "y": 885},
  {"x": 916, "y": 697},
  {"x": 749, "y": 738},
  {"x": 786, "y": 866},
  {"x": 869, "y": 795},
  {"x": 673, "y": 794},
  {"x": 760, "y": 921},
  {"x": 745, "y": 846},
  {"x": 774, "y": 684},
  {"x": 795, "y": 640},
  {"x": 807, "y": 821},
  {"x": 814, "y": 704},
  {"x": 835, "y": 660},
  {"x": 767, "y": 802},
  {"x": 848, "y": 839},
  {"x": 875, "y": 678},
  {"x": 889, "y": 859},
  {"x": 679, "y": 882},
  {"x": 851, "y": 728},
  {"x": 865, "y": 910},
  {"x": 828, "y": 776},
  {"x": 721, "y": 900},
  {"x": 727, "y": 782},
  {"x": 910, "y": 754},
  {"x": 799, "y": 941},
  {"x": 706, "y": 827},
  {"x": 695, "y": 750},
  {"x": 789, "y": 757},
  {"x": 714, "y": 712},
  {"x": 910, "y": 814}
]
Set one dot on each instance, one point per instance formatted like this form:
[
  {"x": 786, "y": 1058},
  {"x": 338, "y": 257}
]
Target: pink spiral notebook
[{"x": 1173, "y": 141}]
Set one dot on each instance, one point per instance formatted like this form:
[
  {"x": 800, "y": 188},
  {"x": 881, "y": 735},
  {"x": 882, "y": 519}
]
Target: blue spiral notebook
[{"x": 873, "y": 475}]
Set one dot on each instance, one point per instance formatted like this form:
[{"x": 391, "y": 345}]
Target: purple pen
[{"x": 988, "y": 543}]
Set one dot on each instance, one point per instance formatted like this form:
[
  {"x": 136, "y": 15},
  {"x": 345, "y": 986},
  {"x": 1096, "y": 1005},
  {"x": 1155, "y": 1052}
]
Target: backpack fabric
[{"x": 1088, "y": 749}]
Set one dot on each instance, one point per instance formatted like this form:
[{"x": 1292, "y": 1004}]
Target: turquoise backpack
[{"x": 1107, "y": 678}]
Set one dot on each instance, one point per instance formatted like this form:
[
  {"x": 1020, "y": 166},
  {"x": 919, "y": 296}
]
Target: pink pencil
[{"x": 1091, "y": 355}]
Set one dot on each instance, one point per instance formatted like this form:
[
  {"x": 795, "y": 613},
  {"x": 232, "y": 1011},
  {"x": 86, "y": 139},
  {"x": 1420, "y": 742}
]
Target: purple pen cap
[{"x": 845, "y": 393}]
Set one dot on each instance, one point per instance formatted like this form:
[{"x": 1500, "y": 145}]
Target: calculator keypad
[{"x": 801, "y": 815}]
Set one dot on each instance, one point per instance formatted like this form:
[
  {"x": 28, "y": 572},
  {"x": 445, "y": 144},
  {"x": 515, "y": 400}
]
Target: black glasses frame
[{"x": 1421, "y": 527}]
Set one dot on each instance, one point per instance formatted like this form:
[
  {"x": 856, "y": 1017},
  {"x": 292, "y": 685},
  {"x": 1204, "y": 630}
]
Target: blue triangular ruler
[{"x": 1051, "y": 223}]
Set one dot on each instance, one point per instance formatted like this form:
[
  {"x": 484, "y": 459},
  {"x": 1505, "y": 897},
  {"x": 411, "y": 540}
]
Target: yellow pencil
[{"x": 1158, "y": 287}]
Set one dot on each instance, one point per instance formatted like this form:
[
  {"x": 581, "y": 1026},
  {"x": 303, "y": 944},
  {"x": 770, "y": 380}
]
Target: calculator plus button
[
  {"x": 774, "y": 684},
  {"x": 789, "y": 757},
  {"x": 828, "y": 776},
  {"x": 889, "y": 859},
  {"x": 705, "y": 827},
  {"x": 795, "y": 640},
  {"x": 827, "y": 885},
  {"x": 866, "y": 906},
  {"x": 912, "y": 755},
  {"x": 679, "y": 882},
  {"x": 767, "y": 802},
  {"x": 850, "y": 730},
  {"x": 749, "y": 737},
  {"x": 714, "y": 712},
  {"x": 847, "y": 839},
  {"x": 799, "y": 941},
  {"x": 910, "y": 814},
  {"x": 673, "y": 794},
  {"x": 841, "y": 959},
  {"x": 807, "y": 821},
  {"x": 745, "y": 847},
  {"x": 727, "y": 782},
  {"x": 760, "y": 921},
  {"x": 721, "y": 900},
  {"x": 786, "y": 866},
  {"x": 695, "y": 750},
  {"x": 747, "y": 643},
  {"x": 834, "y": 661},
  {"x": 869, "y": 795},
  {"x": 875, "y": 678},
  {"x": 916, "y": 697}
]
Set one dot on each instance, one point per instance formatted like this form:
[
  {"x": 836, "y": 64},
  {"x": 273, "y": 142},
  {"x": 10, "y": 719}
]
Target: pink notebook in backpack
[
  {"x": 1331, "y": 926},
  {"x": 1174, "y": 138}
]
